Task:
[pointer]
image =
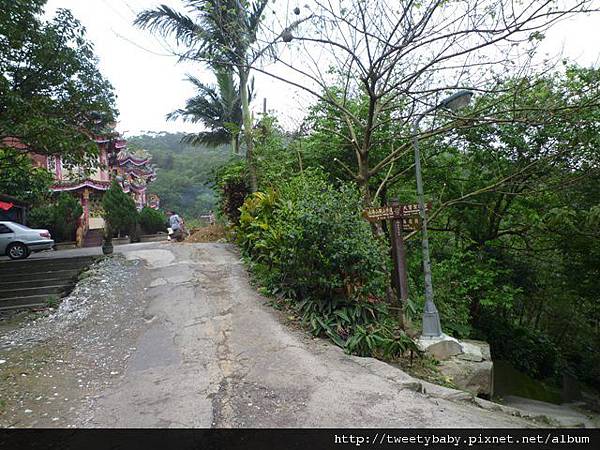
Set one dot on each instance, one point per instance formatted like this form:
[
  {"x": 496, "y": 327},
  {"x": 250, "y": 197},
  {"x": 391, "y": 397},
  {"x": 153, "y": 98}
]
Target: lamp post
[{"x": 431, "y": 318}]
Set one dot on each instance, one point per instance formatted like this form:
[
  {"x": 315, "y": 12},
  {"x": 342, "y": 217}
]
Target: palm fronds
[
  {"x": 218, "y": 108},
  {"x": 166, "y": 21}
]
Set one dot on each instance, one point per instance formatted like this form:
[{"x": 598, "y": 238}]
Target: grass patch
[{"x": 52, "y": 301}]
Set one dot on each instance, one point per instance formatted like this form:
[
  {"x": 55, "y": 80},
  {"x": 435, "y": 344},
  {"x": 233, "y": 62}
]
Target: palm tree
[
  {"x": 221, "y": 33},
  {"x": 219, "y": 108}
]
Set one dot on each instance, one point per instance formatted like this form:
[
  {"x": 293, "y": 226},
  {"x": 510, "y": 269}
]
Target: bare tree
[{"x": 402, "y": 56}]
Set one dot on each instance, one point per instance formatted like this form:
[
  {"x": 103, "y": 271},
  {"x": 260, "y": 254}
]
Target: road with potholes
[{"x": 173, "y": 335}]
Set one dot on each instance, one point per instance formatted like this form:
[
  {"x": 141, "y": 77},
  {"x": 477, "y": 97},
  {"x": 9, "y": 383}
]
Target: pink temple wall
[
  {"x": 39, "y": 160},
  {"x": 104, "y": 170}
]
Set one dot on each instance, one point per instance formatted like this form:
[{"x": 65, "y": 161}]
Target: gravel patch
[{"x": 55, "y": 366}]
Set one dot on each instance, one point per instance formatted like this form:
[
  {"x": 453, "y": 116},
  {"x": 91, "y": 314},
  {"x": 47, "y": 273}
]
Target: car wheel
[{"x": 17, "y": 251}]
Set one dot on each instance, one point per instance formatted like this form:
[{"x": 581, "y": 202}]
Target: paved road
[
  {"x": 213, "y": 355},
  {"x": 192, "y": 344},
  {"x": 88, "y": 251}
]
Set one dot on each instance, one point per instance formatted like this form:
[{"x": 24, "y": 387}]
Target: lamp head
[{"x": 457, "y": 101}]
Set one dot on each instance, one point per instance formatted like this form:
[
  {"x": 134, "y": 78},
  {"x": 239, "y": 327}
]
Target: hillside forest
[{"x": 184, "y": 171}]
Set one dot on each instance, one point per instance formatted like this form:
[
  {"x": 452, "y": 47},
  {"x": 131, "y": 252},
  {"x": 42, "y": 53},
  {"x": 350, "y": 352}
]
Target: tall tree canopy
[
  {"x": 395, "y": 60},
  {"x": 52, "y": 96}
]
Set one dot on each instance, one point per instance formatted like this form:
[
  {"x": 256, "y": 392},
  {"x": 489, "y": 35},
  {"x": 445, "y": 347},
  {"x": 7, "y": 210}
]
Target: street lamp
[{"x": 431, "y": 318}]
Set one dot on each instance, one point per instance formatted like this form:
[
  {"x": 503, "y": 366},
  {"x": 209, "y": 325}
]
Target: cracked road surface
[{"x": 207, "y": 352}]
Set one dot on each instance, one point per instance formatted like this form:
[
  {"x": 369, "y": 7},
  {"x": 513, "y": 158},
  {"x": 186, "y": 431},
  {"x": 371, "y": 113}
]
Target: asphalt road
[
  {"x": 198, "y": 347},
  {"x": 213, "y": 355},
  {"x": 88, "y": 251}
]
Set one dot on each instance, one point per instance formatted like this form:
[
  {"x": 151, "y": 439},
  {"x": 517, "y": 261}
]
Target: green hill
[{"x": 184, "y": 171}]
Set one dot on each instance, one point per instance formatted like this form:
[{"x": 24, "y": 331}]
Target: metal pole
[{"x": 431, "y": 318}]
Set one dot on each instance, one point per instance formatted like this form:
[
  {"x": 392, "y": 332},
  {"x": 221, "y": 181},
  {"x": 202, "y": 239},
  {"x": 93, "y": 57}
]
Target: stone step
[
  {"x": 66, "y": 274},
  {"x": 31, "y": 283},
  {"x": 35, "y": 283},
  {"x": 55, "y": 290},
  {"x": 43, "y": 265},
  {"x": 31, "y": 301},
  {"x": 45, "y": 260}
]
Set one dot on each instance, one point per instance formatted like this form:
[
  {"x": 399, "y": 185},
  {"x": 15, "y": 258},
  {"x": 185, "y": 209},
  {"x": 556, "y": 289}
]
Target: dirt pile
[{"x": 211, "y": 233}]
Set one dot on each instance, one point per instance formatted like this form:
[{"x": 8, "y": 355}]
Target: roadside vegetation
[
  {"x": 512, "y": 177},
  {"x": 59, "y": 218}
]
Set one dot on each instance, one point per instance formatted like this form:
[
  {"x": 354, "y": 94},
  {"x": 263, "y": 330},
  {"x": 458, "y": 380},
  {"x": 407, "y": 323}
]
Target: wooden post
[{"x": 400, "y": 275}]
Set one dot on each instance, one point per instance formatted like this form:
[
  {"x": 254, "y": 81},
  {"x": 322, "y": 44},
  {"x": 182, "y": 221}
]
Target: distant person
[
  {"x": 211, "y": 218},
  {"x": 176, "y": 225}
]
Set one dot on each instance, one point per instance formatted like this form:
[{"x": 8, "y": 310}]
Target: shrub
[
  {"x": 68, "y": 210},
  {"x": 152, "y": 221},
  {"x": 42, "y": 217},
  {"x": 465, "y": 281},
  {"x": 61, "y": 218},
  {"x": 528, "y": 350},
  {"x": 307, "y": 241},
  {"x": 120, "y": 212},
  {"x": 312, "y": 233},
  {"x": 233, "y": 189}
]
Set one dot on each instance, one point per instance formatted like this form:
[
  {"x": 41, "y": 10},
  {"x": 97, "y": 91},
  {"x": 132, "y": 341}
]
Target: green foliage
[
  {"x": 52, "y": 301},
  {"x": 217, "y": 108},
  {"x": 384, "y": 339},
  {"x": 513, "y": 231},
  {"x": 152, "y": 221},
  {"x": 530, "y": 351},
  {"x": 184, "y": 182},
  {"x": 52, "y": 95},
  {"x": 67, "y": 213},
  {"x": 232, "y": 185},
  {"x": 120, "y": 212},
  {"x": 466, "y": 280},
  {"x": 276, "y": 161},
  {"x": 43, "y": 217},
  {"x": 516, "y": 238},
  {"x": 21, "y": 179},
  {"x": 323, "y": 243},
  {"x": 221, "y": 32},
  {"x": 306, "y": 241},
  {"x": 60, "y": 219}
]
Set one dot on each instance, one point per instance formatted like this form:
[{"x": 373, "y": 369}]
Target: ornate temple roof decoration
[
  {"x": 14, "y": 142},
  {"x": 131, "y": 168},
  {"x": 80, "y": 184},
  {"x": 137, "y": 164},
  {"x": 128, "y": 159}
]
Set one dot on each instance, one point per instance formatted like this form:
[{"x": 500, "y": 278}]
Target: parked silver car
[{"x": 18, "y": 241}]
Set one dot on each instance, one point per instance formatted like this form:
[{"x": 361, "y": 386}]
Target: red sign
[{"x": 6, "y": 205}]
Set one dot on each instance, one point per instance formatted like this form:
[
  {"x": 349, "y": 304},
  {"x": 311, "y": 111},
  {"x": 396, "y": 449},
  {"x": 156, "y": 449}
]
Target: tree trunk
[
  {"x": 235, "y": 145},
  {"x": 363, "y": 178},
  {"x": 247, "y": 119}
]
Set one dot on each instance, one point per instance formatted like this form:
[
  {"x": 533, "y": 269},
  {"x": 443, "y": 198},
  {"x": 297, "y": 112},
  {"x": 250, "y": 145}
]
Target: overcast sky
[{"x": 149, "y": 83}]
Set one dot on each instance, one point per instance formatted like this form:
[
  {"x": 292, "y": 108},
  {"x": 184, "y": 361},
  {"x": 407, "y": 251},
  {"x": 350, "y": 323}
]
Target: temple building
[{"x": 132, "y": 170}]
